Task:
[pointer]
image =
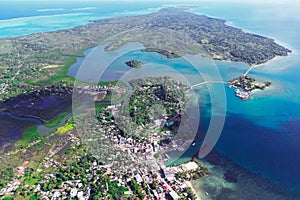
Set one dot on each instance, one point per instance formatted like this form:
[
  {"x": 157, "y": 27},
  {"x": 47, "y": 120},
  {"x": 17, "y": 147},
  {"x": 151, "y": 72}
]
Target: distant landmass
[{"x": 27, "y": 62}]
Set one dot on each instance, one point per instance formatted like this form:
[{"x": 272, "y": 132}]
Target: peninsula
[{"x": 30, "y": 62}]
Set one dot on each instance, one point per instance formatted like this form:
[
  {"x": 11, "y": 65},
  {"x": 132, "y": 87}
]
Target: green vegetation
[
  {"x": 152, "y": 99},
  {"x": 117, "y": 91},
  {"x": 163, "y": 52},
  {"x": 134, "y": 64},
  {"x": 59, "y": 163},
  {"x": 32, "y": 160},
  {"x": 99, "y": 108},
  {"x": 56, "y": 121},
  {"x": 248, "y": 84},
  {"x": 149, "y": 92},
  {"x": 44, "y": 58},
  {"x": 62, "y": 74},
  {"x": 29, "y": 135},
  {"x": 6, "y": 176},
  {"x": 66, "y": 128},
  {"x": 80, "y": 169},
  {"x": 137, "y": 189},
  {"x": 157, "y": 155},
  {"x": 193, "y": 174}
]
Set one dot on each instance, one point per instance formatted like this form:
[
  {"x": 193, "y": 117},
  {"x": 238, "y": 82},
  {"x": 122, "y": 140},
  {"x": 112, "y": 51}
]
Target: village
[
  {"x": 245, "y": 85},
  {"x": 146, "y": 178},
  {"x": 117, "y": 164}
]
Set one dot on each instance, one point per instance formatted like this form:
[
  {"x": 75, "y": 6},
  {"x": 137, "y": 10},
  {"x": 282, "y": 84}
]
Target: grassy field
[{"x": 65, "y": 129}]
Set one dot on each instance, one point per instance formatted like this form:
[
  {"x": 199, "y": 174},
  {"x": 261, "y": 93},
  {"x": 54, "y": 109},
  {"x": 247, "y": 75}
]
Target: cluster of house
[
  {"x": 73, "y": 189},
  {"x": 138, "y": 159},
  {"x": 127, "y": 155},
  {"x": 244, "y": 95},
  {"x": 167, "y": 187},
  {"x": 10, "y": 188},
  {"x": 2, "y": 87},
  {"x": 245, "y": 85},
  {"x": 146, "y": 171},
  {"x": 92, "y": 89},
  {"x": 95, "y": 90},
  {"x": 134, "y": 152}
]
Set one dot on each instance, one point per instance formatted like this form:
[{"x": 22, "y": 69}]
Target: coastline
[
  {"x": 193, "y": 188},
  {"x": 276, "y": 58},
  {"x": 228, "y": 180},
  {"x": 284, "y": 44}
]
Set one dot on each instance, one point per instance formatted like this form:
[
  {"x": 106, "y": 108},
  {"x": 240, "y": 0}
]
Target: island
[
  {"x": 134, "y": 64},
  {"x": 245, "y": 85},
  {"x": 30, "y": 62},
  {"x": 122, "y": 152}
]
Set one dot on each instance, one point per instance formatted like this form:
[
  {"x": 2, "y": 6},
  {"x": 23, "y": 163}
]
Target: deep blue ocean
[{"x": 261, "y": 135}]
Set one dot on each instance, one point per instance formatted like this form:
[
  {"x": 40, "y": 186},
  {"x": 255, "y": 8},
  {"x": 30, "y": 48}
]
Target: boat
[
  {"x": 167, "y": 156},
  {"x": 194, "y": 144}
]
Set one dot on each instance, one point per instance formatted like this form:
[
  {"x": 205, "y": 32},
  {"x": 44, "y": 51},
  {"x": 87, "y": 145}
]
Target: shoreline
[
  {"x": 249, "y": 184},
  {"x": 193, "y": 188},
  {"x": 251, "y": 67}
]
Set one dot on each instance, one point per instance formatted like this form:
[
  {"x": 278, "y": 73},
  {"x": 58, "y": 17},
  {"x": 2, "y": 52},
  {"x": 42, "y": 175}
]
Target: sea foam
[{"x": 50, "y": 9}]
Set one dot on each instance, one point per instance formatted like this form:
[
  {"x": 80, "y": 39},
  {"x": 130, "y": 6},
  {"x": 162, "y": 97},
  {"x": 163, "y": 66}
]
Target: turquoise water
[
  {"x": 94, "y": 69},
  {"x": 21, "y": 18},
  {"x": 261, "y": 135}
]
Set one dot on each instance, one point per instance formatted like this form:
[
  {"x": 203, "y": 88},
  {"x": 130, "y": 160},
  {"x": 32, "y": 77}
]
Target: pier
[
  {"x": 209, "y": 82},
  {"x": 249, "y": 69}
]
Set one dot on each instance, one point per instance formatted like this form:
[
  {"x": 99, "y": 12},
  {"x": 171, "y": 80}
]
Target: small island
[
  {"x": 245, "y": 85},
  {"x": 134, "y": 64}
]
